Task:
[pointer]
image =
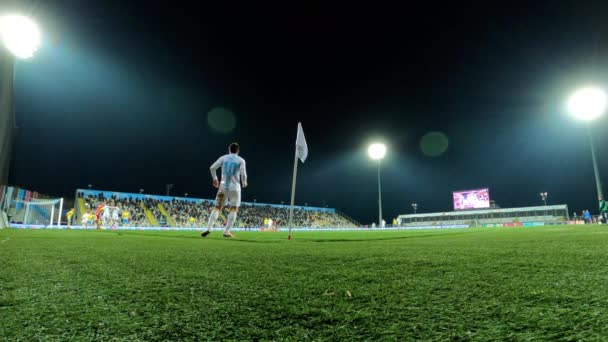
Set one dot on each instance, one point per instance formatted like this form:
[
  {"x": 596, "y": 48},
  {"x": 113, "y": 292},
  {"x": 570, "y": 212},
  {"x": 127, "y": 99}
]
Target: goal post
[
  {"x": 36, "y": 213},
  {"x": 3, "y": 220}
]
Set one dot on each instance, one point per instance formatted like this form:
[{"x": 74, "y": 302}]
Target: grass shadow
[
  {"x": 355, "y": 240},
  {"x": 298, "y": 240},
  {"x": 389, "y": 238}
]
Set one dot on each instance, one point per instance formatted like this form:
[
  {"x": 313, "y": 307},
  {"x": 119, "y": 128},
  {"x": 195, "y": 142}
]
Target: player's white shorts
[
  {"x": 225, "y": 197},
  {"x": 115, "y": 218}
]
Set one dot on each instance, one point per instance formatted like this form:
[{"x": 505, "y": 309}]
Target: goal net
[{"x": 42, "y": 213}]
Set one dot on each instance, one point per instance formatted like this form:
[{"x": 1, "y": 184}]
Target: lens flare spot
[
  {"x": 434, "y": 144},
  {"x": 221, "y": 120}
]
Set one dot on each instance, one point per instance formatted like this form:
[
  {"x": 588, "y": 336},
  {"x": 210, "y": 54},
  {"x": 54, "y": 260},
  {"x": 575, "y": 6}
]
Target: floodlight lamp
[
  {"x": 376, "y": 151},
  {"x": 587, "y": 103},
  {"x": 20, "y": 35}
]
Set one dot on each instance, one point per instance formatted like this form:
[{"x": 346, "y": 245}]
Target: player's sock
[
  {"x": 230, "y": 221},
  {"x": 212, "y": 218}
]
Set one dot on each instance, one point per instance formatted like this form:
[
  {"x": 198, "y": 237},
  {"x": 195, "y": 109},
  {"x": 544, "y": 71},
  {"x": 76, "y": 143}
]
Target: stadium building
[
  {"x": 492, "y": 217},
  {"x": 473, "y": 208}
]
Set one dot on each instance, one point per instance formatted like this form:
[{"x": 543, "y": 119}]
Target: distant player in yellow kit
[
  {"x": 69, "y": 216},
  {"x": 125, "y": 217}
]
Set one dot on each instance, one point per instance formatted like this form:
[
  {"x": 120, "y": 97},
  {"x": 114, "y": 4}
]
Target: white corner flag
[
  {"x": 301, "y": 147},
  {"x": 301, "y": 153}
]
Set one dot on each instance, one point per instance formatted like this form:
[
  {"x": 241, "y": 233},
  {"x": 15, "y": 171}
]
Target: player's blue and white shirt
[{"x": 233, "y": 172}]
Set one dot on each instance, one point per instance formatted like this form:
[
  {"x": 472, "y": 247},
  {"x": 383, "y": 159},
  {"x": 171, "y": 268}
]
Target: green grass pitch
[{"x": 548, "y": 283}]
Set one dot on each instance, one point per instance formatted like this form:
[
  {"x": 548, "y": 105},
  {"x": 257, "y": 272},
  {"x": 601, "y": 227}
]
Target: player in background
[
  {"x": 69, "y": 216},
  {"x": 125, "y": 218},
  {"x": 90, "y": 219},
  {"x": 229, "y": 189},
  {"x": 603, "y": 210},
  {"x": 85, "y": 219},
  {"x": 106, "y": 217},
  {"x": 588, "y": 218},
  {"x": 115, "y": 217},
  {"x": 98, "y": 212}
]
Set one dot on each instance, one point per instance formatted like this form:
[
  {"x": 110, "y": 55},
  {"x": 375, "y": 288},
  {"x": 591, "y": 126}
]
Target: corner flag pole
[
  {"x": 302, "y": 154},
  {"x": 293, "y": 192}
]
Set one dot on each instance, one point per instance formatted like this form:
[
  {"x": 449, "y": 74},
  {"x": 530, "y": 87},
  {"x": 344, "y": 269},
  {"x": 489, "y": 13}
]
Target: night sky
[{"x": 137, "y": 94}]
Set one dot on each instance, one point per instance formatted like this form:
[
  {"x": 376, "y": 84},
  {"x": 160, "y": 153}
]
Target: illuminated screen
[{"x": 471, "y": 199}]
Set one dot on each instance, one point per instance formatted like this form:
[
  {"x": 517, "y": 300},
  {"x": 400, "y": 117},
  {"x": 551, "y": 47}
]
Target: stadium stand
[
  {"x": 497, "y": 217},
  {"x": 253, "y": 215},
  {"x": 138, "y": 216},
  {"x": 170, "y": 221},
  {"x": 166, "y": 211}
]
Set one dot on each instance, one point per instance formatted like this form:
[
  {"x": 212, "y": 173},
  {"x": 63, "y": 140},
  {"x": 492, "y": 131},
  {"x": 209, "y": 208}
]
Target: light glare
[
  {"x": 20, "y": 35},
  {"x": 587, "y": 104},
  {"x": 376, "y": 151}
]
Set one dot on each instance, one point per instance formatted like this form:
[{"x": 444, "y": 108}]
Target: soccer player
[
  {"x": 229, "y": 189},
  {"x": 115, "y": 217},
  {"x": 98, "y": 212},
  {"x": 106, "y": 217},
  {"x": 69, "y": 216},
  {"x": 85, "y": 219},
  {"x": 125, "y": 217},
  {"x": 90, "y": 220},
  {"x": 588, "y": 219},
  {"x": 603, "y": 210}
]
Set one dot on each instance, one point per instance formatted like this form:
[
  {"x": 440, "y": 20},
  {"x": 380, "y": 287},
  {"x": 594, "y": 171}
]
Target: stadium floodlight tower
[
  {"x": 588, "y": 104},
  {"x": 19, "y": 39},
  {"x": 377, "y": 151},
  {"x": 543, "y": 196},
  {"x": 415, "y": 207}
]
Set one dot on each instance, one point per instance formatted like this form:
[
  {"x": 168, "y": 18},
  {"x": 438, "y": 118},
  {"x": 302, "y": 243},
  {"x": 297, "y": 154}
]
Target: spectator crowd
[
  {"x": 195, "y": 213},
  {"x": 137, "y": 217}
]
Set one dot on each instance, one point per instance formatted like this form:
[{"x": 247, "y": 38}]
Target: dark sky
[{"x": 120, "y": 94}]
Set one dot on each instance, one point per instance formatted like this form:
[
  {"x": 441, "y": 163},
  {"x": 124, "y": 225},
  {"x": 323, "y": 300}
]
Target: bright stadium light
[
  {"x": 20, "y": 35},
  {"x": 587, "y": 103},
  {"x": 377, "y": 151},
  {"x": 543, "y": 196}
]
